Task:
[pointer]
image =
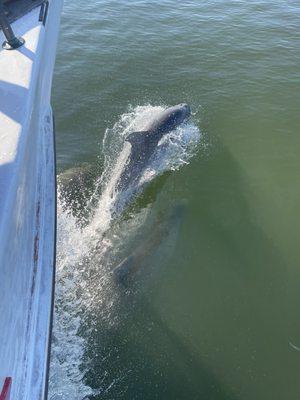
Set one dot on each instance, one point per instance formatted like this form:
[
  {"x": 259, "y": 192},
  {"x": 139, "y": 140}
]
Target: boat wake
[{"x": 87, "y": 296}]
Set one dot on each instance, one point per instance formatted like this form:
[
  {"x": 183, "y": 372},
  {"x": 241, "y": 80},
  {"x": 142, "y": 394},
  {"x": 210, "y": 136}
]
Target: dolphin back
[
  {"x": 137, "y": 138},
  {"x": 143, "y": 144},
  {"x": 164, "y": 122}
]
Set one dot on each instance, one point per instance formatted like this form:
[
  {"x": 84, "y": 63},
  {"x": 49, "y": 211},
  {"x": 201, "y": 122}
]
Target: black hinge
[{"x": 44, "y": 12}]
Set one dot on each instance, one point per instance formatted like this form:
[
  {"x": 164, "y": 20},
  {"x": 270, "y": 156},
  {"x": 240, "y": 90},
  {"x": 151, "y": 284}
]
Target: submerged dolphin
[
  {"x": 144, "y": 143},
  {"x": 126, "y": 270}
]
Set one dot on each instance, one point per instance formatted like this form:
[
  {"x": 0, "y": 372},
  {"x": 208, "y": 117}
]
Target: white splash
[
  {"x": 174, "y": 150},
  {"x": 84, "y": 289}
]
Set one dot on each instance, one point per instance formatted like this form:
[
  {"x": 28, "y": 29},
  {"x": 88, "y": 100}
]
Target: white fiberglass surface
[{"x": 16, "y": 76}]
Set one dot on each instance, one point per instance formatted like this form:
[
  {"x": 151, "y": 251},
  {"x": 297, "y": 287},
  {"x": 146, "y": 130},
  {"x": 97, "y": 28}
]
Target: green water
[{"x": 221, "y": 318}]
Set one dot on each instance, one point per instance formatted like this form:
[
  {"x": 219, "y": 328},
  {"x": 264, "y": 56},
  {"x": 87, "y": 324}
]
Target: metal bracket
[{"x": 12, "y": 42}]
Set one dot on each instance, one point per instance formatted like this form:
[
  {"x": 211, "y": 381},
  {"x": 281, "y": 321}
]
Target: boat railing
[
  {"x": 12, "y": 41},
  {"x": 12, "y": 10}
]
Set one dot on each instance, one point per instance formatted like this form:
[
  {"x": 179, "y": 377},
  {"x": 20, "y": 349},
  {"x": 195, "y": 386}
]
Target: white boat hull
[{"x": 27, "y": 205}]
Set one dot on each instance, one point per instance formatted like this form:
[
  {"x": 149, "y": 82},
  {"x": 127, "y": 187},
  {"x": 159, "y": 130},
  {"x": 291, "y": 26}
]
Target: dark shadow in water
[
  {"x": 228, "y": 223},
  {"x": 240, "y": 277},
  {"x": 143, "y": 358}
]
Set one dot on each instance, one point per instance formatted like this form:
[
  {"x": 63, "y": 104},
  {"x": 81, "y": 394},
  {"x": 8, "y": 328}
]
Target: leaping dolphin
[{"x": 144, "y": 143}]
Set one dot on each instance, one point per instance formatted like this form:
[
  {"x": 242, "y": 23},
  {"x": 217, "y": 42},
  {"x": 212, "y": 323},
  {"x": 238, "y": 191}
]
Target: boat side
[{"x": 27, "y": 203}]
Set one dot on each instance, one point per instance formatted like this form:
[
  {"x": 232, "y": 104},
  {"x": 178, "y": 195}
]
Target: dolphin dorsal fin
[{"x": 136, "y": 138}]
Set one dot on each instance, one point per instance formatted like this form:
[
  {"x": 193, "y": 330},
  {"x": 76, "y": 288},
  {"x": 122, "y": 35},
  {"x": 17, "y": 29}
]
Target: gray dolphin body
[{"x": 144, "y": 143}]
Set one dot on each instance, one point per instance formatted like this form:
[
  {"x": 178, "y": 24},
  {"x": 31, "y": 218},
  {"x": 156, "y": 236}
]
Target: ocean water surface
[{"x": 209, "y": 306}]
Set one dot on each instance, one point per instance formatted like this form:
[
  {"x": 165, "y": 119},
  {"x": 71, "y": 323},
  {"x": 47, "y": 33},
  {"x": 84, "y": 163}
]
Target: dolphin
[
  {"x": 144, "y": 143},
  {"x": 162, "y": 228}
]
